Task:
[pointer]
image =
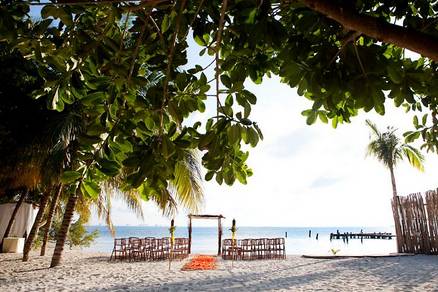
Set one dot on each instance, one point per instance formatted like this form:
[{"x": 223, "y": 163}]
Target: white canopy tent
[{"x": 23, "y": 221}]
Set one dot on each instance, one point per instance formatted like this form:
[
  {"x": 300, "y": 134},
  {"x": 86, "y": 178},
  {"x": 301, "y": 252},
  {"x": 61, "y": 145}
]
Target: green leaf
[
  {"x": 335, "y": 122},
  {"x": 70, "y": 176},
  {"x": 165, "y": 24},
  {"x": 205, "y": 140},
  {"x": 415, "y": 122},
  {"x": 229, "y": 100},
  {"x": 144, "y": 192},
  {"x": 394, "y": 74},
  {"x": 124, "y": 145},
  {"x": 149, "y": 122},
  {"x": 259, "y": 132},
  {"x": 57, "y": 12},
  {"x": 200, "y": 41},
  {"x": 219, "y": 178},
  {"x": 109, "y": 167},
  {"x": 311, "y": 118},
  {"x": 229, "y": 177},
  {"x": 398, "y": 96},
  {"x": 91, "y": 189},
  {"x": 251, "y": 16},
  {"x": 253, "y": 137},
  {"x": 167, "y": 147},
  {"x": 241, "y": 177},
  {"x": 209, "y": 175},
  {"x": 233, "y": 134},
  {"x": 246, "y": 110},
  {"x": 323, "y": 117},
  {"x": 250, "y": 97},
  {"x": 225, "y": 79},
  {"x": 246, "y": 122},
  {"x": 424, "y": 120},
  {"x": 93, "y": 98},
  {"x": 411, "y": 136}
]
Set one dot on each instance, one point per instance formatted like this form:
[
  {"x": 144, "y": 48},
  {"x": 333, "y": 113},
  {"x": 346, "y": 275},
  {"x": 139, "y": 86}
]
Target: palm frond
[
  {"x": 186, "y": 186},
  {"x": 83, "y": 208},
  {"x": 373, "y": 128},
  {"x": 387, "y": 148},
  {"x": 131, "y": 198},
  {"x": 104, "y": 210},
  {"x": 414, "y": 156},
  {"x": 66, "y": 127},
  {"x": 165, "y": 202}
]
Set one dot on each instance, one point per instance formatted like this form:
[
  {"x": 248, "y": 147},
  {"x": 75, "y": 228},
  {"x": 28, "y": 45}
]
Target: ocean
[{"x": 298, "y": 242}]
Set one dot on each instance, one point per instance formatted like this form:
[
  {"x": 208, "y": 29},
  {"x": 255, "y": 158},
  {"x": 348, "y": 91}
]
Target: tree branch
[
  {"x": 170, "y": 56},
  {"x": 218, "y": 45},
  {"x": 410, "y": 39}
]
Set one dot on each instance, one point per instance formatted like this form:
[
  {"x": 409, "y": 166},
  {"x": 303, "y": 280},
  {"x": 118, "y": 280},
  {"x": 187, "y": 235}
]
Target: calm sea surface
[{"x": 204, "y": 239}]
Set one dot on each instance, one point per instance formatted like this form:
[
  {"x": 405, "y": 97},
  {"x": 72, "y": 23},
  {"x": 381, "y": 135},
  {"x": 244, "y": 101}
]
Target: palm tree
[
  {"x": 36, "y": 225},
  {"x": 44, "y": 145},
  {"x": 185, "y": 189},
  {"x": 389, "y": 150},
  {"x": 49, "y": 218}
]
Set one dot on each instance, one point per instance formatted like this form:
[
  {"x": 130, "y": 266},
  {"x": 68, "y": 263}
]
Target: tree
[
  {"x": 389, "y": 150},
  {"x": 121, "y": 65},
  {"x": 49, "y": 218},
  {"x": 420, "y": 15},
  {"x": 36, "y": 225}
]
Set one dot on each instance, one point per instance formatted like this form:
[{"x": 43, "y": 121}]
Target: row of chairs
[
  {"x": 253, "y": 249},
  {"x": 149, "y": 249}
]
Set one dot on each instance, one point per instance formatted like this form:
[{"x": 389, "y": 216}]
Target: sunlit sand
[{"x": 82, "y": 271}]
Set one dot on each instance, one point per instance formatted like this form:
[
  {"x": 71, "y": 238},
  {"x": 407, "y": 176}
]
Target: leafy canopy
[{"x": 121, "y": 64}]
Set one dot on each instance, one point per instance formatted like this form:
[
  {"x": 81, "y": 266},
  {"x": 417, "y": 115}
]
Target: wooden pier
[{"x": 361, "y": 235}]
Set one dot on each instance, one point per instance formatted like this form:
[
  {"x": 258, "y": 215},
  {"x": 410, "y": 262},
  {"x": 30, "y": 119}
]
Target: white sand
[{"x": 82, "y": 271}]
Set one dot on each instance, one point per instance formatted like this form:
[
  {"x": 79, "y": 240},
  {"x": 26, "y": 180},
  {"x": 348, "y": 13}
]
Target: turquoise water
[{"x": 204, "y": 239}]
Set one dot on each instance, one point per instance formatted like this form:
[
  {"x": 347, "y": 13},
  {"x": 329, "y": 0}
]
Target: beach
[
  {"x": 91, "y": 271},
  {"x": 298, "y": 242}
]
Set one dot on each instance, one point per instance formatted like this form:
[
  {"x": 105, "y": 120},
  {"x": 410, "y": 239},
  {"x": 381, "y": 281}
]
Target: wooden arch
[{"x": 219, "y": 229}]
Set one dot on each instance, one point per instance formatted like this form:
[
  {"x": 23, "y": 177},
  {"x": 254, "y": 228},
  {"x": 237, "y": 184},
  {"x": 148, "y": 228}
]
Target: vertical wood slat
[
  {"x": 416, "y": 222},
  {"x": 432, "y": 211},
  {"x": 398, "y": 231},
  {"x": 219, "y": 237},
  {"x": 190, "y": 234}
]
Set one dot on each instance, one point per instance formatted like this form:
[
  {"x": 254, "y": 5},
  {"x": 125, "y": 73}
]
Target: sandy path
[{"x": 93, "y": 272}]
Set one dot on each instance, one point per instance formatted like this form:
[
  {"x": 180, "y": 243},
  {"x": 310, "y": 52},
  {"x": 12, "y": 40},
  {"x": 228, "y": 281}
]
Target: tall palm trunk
[
  {"x": 50, "y": 215},
  {"x": 36, "y": 225},
  {"x": 12, "y": 219},
  {"x": 394, "y": 187},
  {"x": 395, "y": 212},
  {"x": 62, "y": 233}
]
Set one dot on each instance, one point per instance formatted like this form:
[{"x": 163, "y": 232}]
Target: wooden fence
[{"x": 416, "y": 223}]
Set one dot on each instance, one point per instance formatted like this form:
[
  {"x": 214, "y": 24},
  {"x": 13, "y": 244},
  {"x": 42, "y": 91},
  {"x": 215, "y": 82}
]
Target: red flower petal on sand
[{"x": 200, "y": 262}]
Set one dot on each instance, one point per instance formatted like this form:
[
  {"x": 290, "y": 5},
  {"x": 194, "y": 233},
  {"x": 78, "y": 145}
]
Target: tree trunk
[
  {"x": 52, "y": 208},
  {"x": 36, "y": 225},
  {"x": 12, "y": 219},
  {"x": 395, "y": 211},
  {"x": 414, "y": 40},
  {"x": 394, "y": 187},
  {"x": 61, "y": 236}
]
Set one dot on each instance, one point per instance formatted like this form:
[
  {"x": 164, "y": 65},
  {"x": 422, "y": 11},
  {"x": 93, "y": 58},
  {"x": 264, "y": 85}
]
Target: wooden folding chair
[{"x": 120, "y": 249}]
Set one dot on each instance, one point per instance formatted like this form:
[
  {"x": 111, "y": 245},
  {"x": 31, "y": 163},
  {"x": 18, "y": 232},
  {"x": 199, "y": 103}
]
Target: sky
[
  {"x": 304, "y": 176},
  {"x": 307, "y": 176}
]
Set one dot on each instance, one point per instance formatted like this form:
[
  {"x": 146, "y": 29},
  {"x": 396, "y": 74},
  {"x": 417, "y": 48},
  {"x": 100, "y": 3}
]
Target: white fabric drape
[{"x": 23, "y": 221}]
